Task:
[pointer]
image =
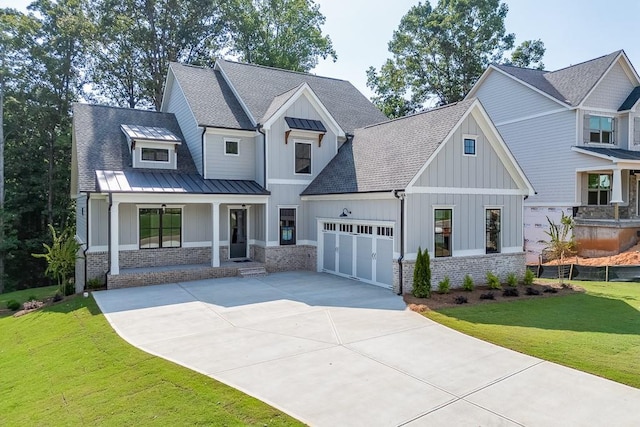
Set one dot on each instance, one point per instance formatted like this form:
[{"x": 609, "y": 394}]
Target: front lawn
[
  {"x": 596, "y": 332},
  {"x": 23, "y": 295},
  {"x": 64, "y": 365}
]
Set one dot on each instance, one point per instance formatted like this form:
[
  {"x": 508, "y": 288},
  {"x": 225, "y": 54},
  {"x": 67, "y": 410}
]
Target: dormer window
[
  {"x": 152, "y": 147},
  {"x": 601, "y": 129}
]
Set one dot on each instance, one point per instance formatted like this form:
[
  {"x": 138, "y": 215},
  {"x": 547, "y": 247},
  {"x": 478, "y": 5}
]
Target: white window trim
[
  {"x": 296, "y": 207},
  {"x": 589, "y": 190},
  {"x": 433, "y": 228},
  {"x": 475, "y": 144},
  {"x": 302, "y": 141},
  {"x": 224, "y": 146},
  {"x": 159, "y": 206},
  {"x": 613, "y": 130},
  {"x": 501, "y": 209}
]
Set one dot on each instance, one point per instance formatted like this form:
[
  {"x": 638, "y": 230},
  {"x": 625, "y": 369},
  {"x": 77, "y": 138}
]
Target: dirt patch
[
  {"x": 439, "y": 301},
  {"x": 628, "y": 257}
]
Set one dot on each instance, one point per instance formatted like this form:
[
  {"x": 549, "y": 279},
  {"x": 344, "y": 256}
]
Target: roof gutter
[{"x": 400, "y": 195}]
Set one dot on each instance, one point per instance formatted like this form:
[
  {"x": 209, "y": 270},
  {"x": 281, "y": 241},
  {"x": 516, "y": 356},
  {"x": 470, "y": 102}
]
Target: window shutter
[
  {"x": 636, "y": 130},
  {"x": 585, "y": 129}
]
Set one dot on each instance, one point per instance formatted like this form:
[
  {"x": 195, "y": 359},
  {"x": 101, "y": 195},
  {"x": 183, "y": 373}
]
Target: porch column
[
  {"x": 115, "y": 238},
  {"x": 616, "y": 197},
  {"x": 215, "y": 238}
]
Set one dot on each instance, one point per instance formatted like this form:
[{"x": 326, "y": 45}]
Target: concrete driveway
[{"x": 335, "y": 352}]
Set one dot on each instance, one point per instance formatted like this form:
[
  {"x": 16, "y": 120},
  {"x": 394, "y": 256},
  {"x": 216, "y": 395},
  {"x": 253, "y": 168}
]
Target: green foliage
[
  {"x": 528, "y": 54},
  {"x": 440, "y": 52},
  {"x": 32, "y": 298},
  {"x": 467, "y": 283},
  {"x": 562, "y": 242},
  {"x": 94, "y": 283},
  {"x": 422, "y": 275},
  {"x": 529, "y": 276},
  {"x": 512, "y": 280},
  {"x": 444, "y": 286},
  {"x": 61, "y": 258},
  {"x": 13, "y": 305},
  {"x": 493, "y": 282}
]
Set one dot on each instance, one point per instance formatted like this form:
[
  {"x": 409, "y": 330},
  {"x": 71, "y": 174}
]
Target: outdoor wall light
[
  {"x": 164, "y": 208},
  {"x": 345, "y": 212}
]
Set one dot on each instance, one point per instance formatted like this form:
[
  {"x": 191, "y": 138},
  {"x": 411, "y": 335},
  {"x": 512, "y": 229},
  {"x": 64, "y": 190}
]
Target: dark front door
[{"x": 238, "y": 240}]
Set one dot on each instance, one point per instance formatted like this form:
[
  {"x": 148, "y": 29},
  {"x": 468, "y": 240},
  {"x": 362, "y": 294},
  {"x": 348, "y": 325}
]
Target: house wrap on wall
[{"x": 291, "y": 171}]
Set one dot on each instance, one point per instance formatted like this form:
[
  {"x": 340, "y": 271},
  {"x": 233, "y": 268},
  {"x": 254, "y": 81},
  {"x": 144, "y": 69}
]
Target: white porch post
[
  {"x": 215, "y": 240},
  {"x": 115, "y": 235},
  {"x": 616, "y": 197}
]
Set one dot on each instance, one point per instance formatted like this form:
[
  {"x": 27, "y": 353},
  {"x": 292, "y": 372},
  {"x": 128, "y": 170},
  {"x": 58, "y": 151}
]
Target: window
[
  {"x": 160, "y": 228},
  {"x": 303, "y": 157},
  {"x": 288, "y": 226},
  {"x": 492, "y": 229},
  {"x": 231, "y": 147},
  {"x": 442, "y": 232},
  {"x": 601, "y": 129},
  {"x": 469, "y": 147},
  {"x": 599, "y": 189},
  {"x": 155, "y": 154}
]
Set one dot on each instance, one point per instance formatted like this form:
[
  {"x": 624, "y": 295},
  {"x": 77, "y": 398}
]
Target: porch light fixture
[
  {"x": 345, "y": 212},
  {"x": 164, "y": 208}
]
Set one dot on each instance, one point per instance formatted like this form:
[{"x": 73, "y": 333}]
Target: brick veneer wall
[
  {"x": 97, "y": 265},
  {"x": 286, "y": 258},
  {"x": 172, "y": 276},
  {"x": 457, "y": 267},
  {"x": 164, "y": 256}
]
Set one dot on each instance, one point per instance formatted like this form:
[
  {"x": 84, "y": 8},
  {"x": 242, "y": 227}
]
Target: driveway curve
[{"x": 332, "y": 351}]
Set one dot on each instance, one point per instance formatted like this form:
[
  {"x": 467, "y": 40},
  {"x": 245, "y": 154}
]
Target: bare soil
[
  {"x": 628, "y": 257},
  {"x": 439, "y": 301}
]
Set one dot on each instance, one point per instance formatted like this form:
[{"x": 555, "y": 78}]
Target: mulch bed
[{"x": 439, "y": 301}]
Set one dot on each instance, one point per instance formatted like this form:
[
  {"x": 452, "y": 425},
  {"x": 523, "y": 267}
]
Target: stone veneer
[
  {"x": 285, "y": 258},
  {"x": 457, "y": 267}
]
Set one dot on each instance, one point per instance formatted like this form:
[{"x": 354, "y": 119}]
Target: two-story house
[
  {"x": 576, "y": 133},
  {"x": 253, "y": 167}
]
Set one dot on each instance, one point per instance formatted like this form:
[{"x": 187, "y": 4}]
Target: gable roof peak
[{"x": 599, "y": 58}]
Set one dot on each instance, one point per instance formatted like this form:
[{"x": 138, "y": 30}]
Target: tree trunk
[{"x": 2, "y": 174}]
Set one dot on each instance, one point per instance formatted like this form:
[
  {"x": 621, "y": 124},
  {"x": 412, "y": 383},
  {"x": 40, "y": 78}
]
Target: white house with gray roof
[
  {"x": 249, "y": 167},
  {"x": 576, "y": 133}
]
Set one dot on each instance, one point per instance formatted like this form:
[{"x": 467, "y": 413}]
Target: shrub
[
  {"x": 69, "y": 288},
  {"x": 488, "y": 295},
  {"x": 512, "y": 280},
  {"x": 13, "y": 305},
  {"x": 422, "y": 275},
  {"x": 94, "y": 283},
  {"x": 32, "y": 298},
  {"x": 61, "y": 257},
  {"x": 467, "y": 283},
  {"x": 444, "y": 285},
  {"x": 57, "y": 297},
  {"x": 460, "y": 300},
  {"x": 492, "y": 281},
  {"x": 550, "y": 290},
  {"x": 510, "y": 292},
  {"x": 528, "y": 277},
  {"x": 531, "y": 291}
]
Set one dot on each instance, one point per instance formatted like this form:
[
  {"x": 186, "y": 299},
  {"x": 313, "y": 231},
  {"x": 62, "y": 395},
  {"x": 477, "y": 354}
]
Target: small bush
[
  {"x": 467, "y": 283},
  {"x": 422, "y": 275},
  {"x": 550, "y": 290},
  {"x": 510, "y": 292},
  {"x": 512, "y": 280},
  {"x": 492, "y": 281},
  {"x": 488, "y": 295},
  {"x": 32, "y": 298},
  {"x": 94, "y": 283},
  {"x": 69, "y": 288},
  {"x": 444, "y": 285},
  {"x": 13, "y": 305},
  {"x": 57, "y": 297},
  {"x": 529, "y": 276},
  {"x": 531, "y": 291},
  {"x": 460, "y": 300}
]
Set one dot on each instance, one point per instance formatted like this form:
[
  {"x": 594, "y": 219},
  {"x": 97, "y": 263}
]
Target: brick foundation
[
  {"x": 164, "y": 256},
  {"x": 285, "y": 258},
  {"x": 178, "y": 275},
  {"x": 457, "y": 267}
]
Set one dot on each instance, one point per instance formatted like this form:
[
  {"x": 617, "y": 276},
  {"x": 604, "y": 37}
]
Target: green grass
[
  {"x": 596, "y": 332},
  {"x": 22, "y": 296},
  {"x": 64, "y": 365}
]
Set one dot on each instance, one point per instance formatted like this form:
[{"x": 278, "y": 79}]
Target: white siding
[
  {"x": 286, "y": 195},
  {"x": 611, "y": 92},
  {"x": 99, "y": 221},
  {"x": 178, "y": 105},
  {"x": 128, "y": 226},
  {"x": 506, "y": 99},
  {"x": 453, "y": 169},
  {"x": 196, "y": 223},
  {"x": 81, "y": 218},
  {"x": 223, "y": 166}
]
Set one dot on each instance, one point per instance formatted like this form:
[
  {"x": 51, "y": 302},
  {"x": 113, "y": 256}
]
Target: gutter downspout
[
  {"x": 264, "y": 153},
  {"x": 109, "y": 242},
  {"x": 84, "y": 251},
  {"x": 399, "y": 194},
  {"x": 204, "y": 130}
]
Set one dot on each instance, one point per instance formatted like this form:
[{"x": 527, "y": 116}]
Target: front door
[{"x": 238, "y": 233}]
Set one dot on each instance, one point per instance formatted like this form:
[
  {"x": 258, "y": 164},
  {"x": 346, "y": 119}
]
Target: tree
[
  {"x": 562, "y": 242},
  {"x": 439, "y": 53},
  {"x": 528, "y": 54},
  {"x": 278, "y": 33},
  {"x": 422, "y": 275},
  {"x": 61, "y": 256}
]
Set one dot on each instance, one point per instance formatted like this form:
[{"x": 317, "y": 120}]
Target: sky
[{"x": 573, "y": 31}]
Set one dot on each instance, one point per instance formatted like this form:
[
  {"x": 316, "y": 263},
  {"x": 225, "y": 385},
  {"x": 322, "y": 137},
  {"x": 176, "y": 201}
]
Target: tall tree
[
  {"x": 439, "y": 53},
  {"x": 528, "y": 54},
  {"x": 278, "y": 33}
]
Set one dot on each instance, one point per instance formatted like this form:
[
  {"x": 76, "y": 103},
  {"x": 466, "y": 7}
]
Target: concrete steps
[{"x": 249, "y": 272}]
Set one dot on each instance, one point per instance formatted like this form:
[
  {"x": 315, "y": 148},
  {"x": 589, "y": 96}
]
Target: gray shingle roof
[
  {"x": 210, "y": 98},
  {"x": 258, "y": 86},
  {"x": 631, "y": 99},
  {"x": 139, "y": 181},
  {"x": 569, "y": 85},
  {"x": 386, "y": 156}
]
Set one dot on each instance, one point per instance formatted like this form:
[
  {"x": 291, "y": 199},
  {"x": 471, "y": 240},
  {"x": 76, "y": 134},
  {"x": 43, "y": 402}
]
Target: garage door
[{"x": 360, "y": 250}]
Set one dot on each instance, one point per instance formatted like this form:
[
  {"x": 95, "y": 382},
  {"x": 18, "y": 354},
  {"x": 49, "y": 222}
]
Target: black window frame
[
  {"x": 599, "y": 193},
  {"x": 493, "y": 231},
  {"x": 233, "y": 141},
  {"x": 445, "y": 236},
  {"x": 299, "y": 158},
  {"x": 464, "y": 146},
  {"x": 154, "y": 152},
  {"x": 288, "y": 224},
  {"x": 163, "y": 216}
]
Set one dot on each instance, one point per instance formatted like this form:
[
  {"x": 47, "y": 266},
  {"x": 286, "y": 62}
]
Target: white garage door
[{"x": 360, "y": 250}]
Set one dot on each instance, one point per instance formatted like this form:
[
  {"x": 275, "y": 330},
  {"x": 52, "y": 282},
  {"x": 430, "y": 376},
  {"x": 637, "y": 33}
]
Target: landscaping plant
[
  {"x": 562, "y": 242},
  {"x": 512, "y": 280},
  {"x": 493, "y": 282},
  {"x": 467, "y": 283},
  {"x": 422, "y": 275},
  {"x": 444, "y": 285},
  {"x": 61, "y": 257},
  {"x": 529, "y": 276}
]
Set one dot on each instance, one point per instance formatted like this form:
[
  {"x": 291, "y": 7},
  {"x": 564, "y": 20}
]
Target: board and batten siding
[
  {"x": 81, "y": 218},
  {"x": 611, "y": 92},
  {"x": 281, "y": 156},
  {"x": 225, "y": 166},
  {"x": 468, "y": 228},
  {"x": 372, "y": 210},
  {"x": 99, "y": 221},
  {"x": 192, "y": 133},
  {"x": 285, "y": 195},
  {"x": 505, "y": 99},
  {"x": 256, "y": 231},
  {"x": 451, "y": 168}
]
